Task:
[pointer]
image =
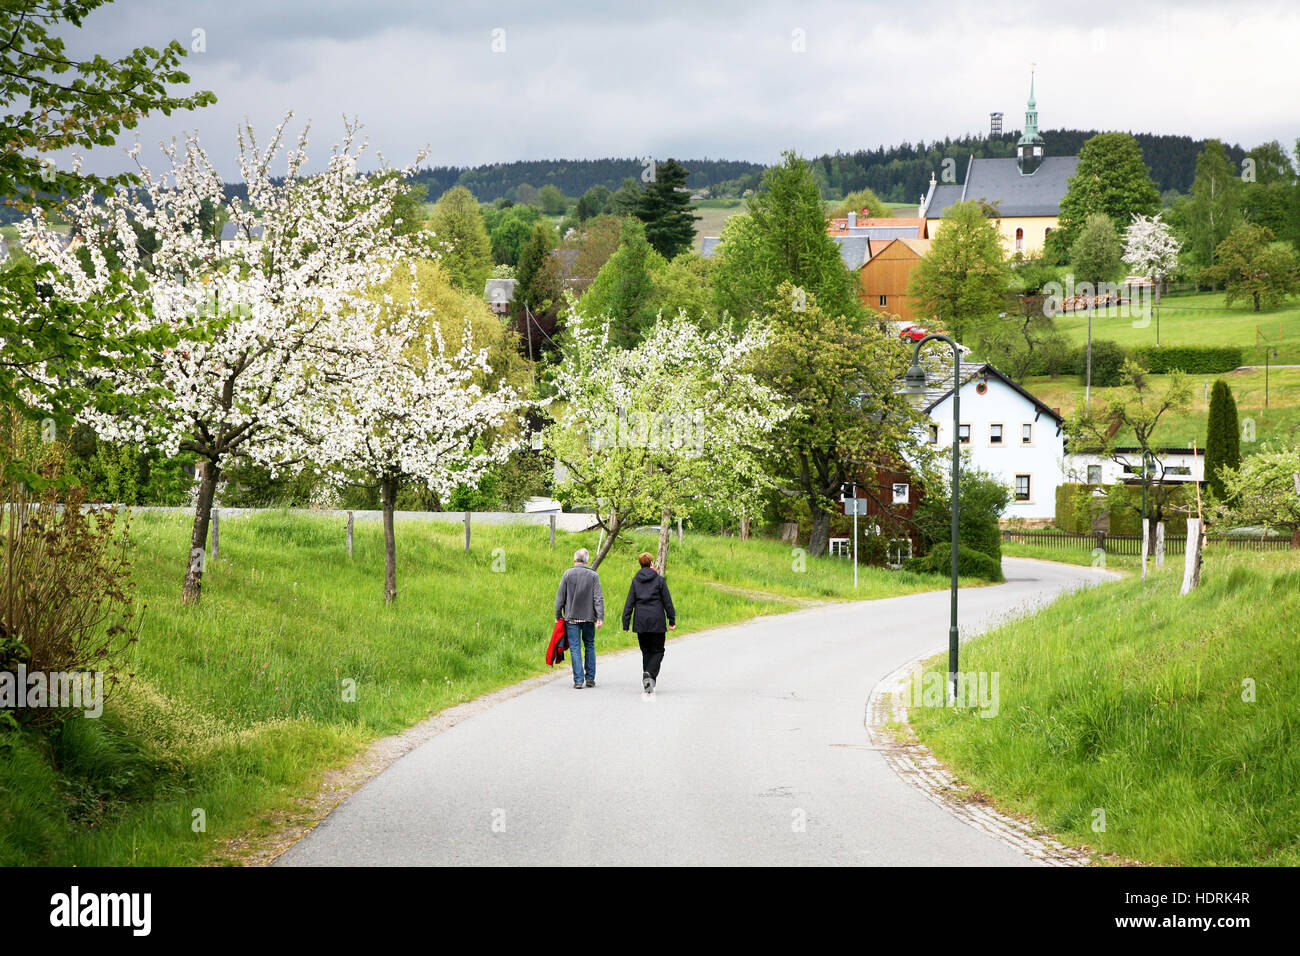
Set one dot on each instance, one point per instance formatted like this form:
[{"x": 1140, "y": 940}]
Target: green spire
[{"x": 1029, "y": 148}]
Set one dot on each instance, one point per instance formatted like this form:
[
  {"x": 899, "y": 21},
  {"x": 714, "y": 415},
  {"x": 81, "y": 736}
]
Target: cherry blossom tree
[
  {"x": 651, "y": 432},
  {"x": 408, "y": 409},
  {"x": 1150, "y": 248},
  {"x": 260, "y": 324}
]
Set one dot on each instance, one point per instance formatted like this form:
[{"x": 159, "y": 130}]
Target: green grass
[
  {"x": 237, "y": 707},
  {"x": 1198, "y": 319},
  {"x": 1279, "y": 422},
  {"x": 1128, "y": 698},
  {"x": 712, "y": 218}
]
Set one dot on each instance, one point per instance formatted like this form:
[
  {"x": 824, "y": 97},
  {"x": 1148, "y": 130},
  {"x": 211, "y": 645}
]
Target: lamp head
[{"x": 914, "y": 383}]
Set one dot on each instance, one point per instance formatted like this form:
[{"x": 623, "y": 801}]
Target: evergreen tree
[
  {"x": 1222, "y": 439},
  {"x": 1111, "y": 179},
  {"x": 458, "y": 228},
  {"x": 528, "y": 290},
  {"x": 665, "y": 208}
]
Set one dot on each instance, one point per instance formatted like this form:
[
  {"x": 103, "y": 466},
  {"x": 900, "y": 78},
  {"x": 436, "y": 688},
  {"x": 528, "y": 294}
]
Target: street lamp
[{"x": 914, "y": 384}]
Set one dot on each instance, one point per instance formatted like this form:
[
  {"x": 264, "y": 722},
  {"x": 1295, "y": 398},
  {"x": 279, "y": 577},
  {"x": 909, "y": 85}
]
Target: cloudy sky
[{"x": 505, "y": 80}]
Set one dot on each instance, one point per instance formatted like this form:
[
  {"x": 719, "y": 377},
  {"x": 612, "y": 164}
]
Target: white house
[
  {"x": 1170, "y": 465},
  {"x": 1008, "y": 432}
]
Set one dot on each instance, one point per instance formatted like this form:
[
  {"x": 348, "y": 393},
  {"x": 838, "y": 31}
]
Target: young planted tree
[
  {"x": 258, "y": 327},
  {"x": 840, "y": 380},
  {"x": 1132, "y": 417},
  {"x": 1222, "y": 439},
  {"x": 665, "y": 208},
  {"x": 963, "y": 279},
  {"x": 1248, "y": 266},
  {"x": 1264, "y": 492},
  {"x": 411, "y": 409}
]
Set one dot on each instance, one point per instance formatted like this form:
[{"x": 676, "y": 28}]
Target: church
[{"x": 1025, "y": 192}]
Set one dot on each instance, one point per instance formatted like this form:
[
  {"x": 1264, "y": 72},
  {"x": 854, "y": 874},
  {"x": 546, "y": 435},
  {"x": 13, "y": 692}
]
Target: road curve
[{"x": 753, "y": 752}]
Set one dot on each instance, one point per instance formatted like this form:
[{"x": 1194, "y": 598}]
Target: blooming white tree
[
  {"x": 676, "y": 423},
  {"x": 259, "y": 325},
  {"x": 1150, "y": 248},
  {"x": 410, "y": 409}
]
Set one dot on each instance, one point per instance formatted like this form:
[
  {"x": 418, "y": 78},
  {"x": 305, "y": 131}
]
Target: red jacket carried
[{"x": 559, "y": 643}]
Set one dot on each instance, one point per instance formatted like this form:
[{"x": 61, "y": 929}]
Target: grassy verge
[
  {"x": 1085, "y": 557},
  {"x": 1134, "y": 702},
  {"x": 238, "y": 705}
]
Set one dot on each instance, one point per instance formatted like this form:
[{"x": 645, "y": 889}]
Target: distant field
[
  {"x": 711, "y": 220},
  {"x": 1199, "y": 319},
  {"x": 1280, "y": 422}
]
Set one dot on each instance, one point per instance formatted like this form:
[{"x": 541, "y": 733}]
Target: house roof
[
  {"x": 877, "y": 228},
  {"x": 1000, "y": 181},
  {"x": 231, "y": 231},
  {"x": 709, "y": 246},
  {"x": 854, "y": 250},
  {"x": 979, "y": 370}
]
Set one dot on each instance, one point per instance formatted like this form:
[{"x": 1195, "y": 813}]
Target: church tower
[{"x": 1029, "y": 148}]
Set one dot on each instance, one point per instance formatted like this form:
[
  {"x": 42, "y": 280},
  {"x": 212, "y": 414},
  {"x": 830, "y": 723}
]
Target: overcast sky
[{"x": 507, "y": 80}]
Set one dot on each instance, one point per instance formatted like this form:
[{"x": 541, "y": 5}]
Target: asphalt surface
[{"x": 752, "y": 752}]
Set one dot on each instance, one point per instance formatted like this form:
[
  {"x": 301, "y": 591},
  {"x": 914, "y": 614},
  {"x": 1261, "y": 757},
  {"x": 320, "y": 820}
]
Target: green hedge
[
  {"x": 1194, "y": 359},
  {"x": 970, "y": 564},
  {"x": 1123, "y": 502}
]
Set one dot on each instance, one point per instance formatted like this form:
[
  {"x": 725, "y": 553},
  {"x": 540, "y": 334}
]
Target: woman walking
[{"x": 648, "y": 604}]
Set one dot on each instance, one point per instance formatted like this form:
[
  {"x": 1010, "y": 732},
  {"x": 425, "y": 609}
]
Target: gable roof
[
  {"x": 1000, "y": 181},
  {"x": 979, "y": 370},
  {"x": 854, "y": 250}
]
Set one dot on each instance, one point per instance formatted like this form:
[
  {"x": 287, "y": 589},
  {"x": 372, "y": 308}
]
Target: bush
[
  {"x": 970, "y": 564},
  {"x": 1107, "y": 362},
  {"x": 983, "y": 500},
  {"x": 1193, "y": 359}
]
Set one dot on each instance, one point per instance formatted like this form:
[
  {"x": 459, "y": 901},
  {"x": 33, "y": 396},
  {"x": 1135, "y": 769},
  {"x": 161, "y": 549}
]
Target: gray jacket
[{"x": 579, "y": 597}]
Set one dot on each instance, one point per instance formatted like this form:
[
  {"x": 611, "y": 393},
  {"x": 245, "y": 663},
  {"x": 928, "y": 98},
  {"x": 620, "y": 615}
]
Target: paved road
[{"x": 755, "y": 727}]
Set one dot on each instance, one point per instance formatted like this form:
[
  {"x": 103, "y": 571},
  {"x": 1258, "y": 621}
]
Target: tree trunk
[
  {"x": 608, "y": 543},
  {"x": 193, "y": 586},
  {"x": 388, "y": 491},
  {"x": 665, "y": 533},
  {"x": 744, "y": 529},
  {"x": 819, "y": 539}
]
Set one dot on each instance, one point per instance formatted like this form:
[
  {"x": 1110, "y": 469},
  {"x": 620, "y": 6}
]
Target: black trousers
[{"x": 652, "y": 652}]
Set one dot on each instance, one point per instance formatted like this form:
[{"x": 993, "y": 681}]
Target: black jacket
[{"x": 649, "y": 598}]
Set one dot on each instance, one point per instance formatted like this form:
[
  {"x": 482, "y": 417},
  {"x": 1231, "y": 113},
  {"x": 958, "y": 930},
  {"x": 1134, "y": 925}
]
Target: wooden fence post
[
  {"x": 552, "y": 531},
  {"x": 1160, "y": 544},
  {"x": 467, "y": 531},
  {"x": 1192, "y": 556},
  {"x": 349, "y": 534},
  {"x": 216, "y": 532}
]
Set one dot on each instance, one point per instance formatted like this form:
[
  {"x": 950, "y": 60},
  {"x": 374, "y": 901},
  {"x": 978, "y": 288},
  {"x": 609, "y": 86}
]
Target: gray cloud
[{"x": 591, "y": 79}]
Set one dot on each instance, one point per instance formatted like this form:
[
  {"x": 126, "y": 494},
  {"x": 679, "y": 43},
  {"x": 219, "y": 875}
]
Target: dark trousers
[{"x": 652, "y": 652}]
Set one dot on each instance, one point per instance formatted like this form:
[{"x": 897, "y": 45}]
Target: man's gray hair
[{"x": 581, "y": 556}]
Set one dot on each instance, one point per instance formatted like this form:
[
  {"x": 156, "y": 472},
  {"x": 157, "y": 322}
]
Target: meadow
[
  {"x": 237, "y": 706},
  {"x": 1144, "y": 724}
]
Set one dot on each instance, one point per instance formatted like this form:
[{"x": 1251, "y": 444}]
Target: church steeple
[{"x": 1029, "y": 148}]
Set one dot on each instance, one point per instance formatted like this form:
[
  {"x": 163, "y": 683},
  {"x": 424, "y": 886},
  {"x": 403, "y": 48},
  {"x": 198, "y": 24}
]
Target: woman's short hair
[{"x": 646, "y": 559}]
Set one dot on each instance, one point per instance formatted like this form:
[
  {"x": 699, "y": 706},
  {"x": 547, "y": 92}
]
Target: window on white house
[
  {"x": 963, "y": 434},
  {"x": 934, "y": 434},
  {"x": 1094, "y": 474},
  {"x": 1026, "y": 434},
  {"x": 1022, "y": 487},
  {"x": 995, "y": 434},
  {"x": 901, "y": 493}
]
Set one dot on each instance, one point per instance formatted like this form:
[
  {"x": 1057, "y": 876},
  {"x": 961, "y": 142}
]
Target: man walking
[{"x": 581, "y": 605}]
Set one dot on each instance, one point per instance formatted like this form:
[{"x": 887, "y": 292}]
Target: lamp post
[{"x": 914, "y": 388}]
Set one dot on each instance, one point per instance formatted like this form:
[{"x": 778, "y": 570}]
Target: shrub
[
  {"x": 970, "y": 563},
  {"x": 1193, "y": 359},
  {"x": 1107, "y": 362},
  {"x": 983, "y": 500}
]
